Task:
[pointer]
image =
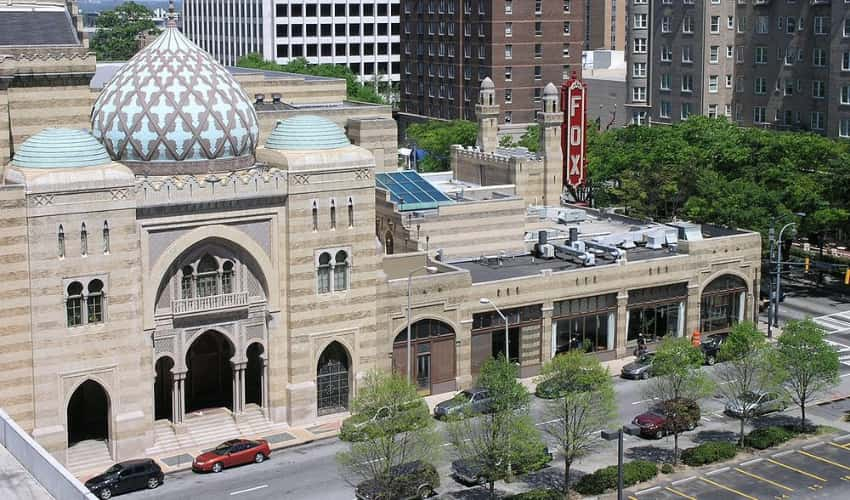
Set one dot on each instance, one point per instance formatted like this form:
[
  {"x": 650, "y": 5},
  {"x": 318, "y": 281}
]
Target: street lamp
[
  {"x": 779, "y": 267},
  {"x": 485, "y": 300},
  {"x": 618, "y": 435},
  {"x": 773, "y": 300},
  {"x": 429, "y": 270}
]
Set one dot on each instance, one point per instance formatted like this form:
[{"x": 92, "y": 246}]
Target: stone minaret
[
  {"x": 487, "y": 112},
  {"x": 550, "y": 146}
]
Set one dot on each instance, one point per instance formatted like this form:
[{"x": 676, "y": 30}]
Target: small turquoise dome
[
  {"x": 61, "y": 148},
  {"x": 307, "y": 133}
]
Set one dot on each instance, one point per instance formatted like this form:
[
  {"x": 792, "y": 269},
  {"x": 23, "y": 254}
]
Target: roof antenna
[{"x": 172, "y": 16}]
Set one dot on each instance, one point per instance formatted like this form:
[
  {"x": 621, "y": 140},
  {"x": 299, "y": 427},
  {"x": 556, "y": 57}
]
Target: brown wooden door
[
  {"x": 482, "y": 350},
  {"x": 400, "y": 359},
  {"x": 442, "y": 360}
]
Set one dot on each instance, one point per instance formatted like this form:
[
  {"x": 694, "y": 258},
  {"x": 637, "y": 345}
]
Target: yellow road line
[
  {"x": 632, "y": 498},
  {"x": 677, "y": 492},
  {"x": 709, "y": 481},
  {"x": 824, "y": 460},
  {"x": 809, "y": 474},
  {"x": 768, "y": 481},
  {"x": 841, "y": 446}
]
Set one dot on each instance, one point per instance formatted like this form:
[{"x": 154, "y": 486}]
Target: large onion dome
[{"x": 173, "y": 109}]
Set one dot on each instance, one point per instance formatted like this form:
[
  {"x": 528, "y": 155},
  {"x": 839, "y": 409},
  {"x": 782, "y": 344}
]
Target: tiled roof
[{"x": 36, "y": 28}]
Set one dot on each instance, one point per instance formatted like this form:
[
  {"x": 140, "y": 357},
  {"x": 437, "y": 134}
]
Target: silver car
[
  {"x": 470, "y": 402},
  {"x": 756, "y": 403}
]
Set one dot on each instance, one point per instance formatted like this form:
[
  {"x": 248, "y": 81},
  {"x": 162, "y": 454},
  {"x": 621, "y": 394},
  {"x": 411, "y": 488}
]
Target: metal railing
[{"x": 209, "y": 303}]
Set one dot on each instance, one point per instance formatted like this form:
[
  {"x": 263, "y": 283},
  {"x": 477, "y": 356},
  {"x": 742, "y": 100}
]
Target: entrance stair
[{"x": 87, "y": 456}]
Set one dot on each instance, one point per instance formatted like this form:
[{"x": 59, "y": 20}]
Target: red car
[
  {"x": 654, "y": 424},
  {"x": 230, "y": 453}
]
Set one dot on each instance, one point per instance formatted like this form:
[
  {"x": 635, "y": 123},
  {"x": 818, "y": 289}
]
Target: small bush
[
  {"x": 667, "y": 469},
  {"x": 768, "y": 437},
  {"x": 538, "y": 494},
  {"x": 707, "y": 453},
  {"x": 636, "y": 471}
]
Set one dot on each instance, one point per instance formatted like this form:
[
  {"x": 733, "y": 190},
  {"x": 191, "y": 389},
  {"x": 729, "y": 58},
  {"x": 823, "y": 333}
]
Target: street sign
[{"x": 574, "y": 106}]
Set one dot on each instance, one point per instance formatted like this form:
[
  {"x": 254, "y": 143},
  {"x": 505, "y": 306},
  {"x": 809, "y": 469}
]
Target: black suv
[
  {"x": 711, "y": 347},
  {"x": 473, "y": 471},
  {"x": 125, "y": 477},
  {"x": 411, "y": 480}
]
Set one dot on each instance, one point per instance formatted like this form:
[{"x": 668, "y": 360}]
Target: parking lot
[{"x": 813, "y": 471}]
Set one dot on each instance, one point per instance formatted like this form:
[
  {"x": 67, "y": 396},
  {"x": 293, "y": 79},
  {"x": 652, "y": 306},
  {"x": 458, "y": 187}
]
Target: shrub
[
  {"x": 707, "y": 453},
  {"x": 667, "y": 469},
  {"x": 636, "y": 471},
  {"x": 768, "y": 437},
  {"x": 538, "y": 494}
]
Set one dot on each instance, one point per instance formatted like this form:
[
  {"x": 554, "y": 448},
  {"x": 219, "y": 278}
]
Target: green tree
[
  {"x": 746, "y": 370},
  {"x": 498, "y": 440},
  {"x": 530, "y": 139},
  {"x": 677, "y": 367},
  {"x": 355, "y": 90},
  {"x": 506, "y": 141},
  {"x": 808, "y": 364},
  {"x": 117, "y": 31},
  {"x": 397, "y": 429},
  {"x": 436, "y": 138},
  {"x": 586, "y": 403}
]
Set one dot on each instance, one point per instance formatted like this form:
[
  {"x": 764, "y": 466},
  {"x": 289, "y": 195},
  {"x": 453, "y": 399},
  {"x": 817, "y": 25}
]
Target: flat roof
[
  {"x": 411, "y": 191},
  {"x": 494, "y": 268}
]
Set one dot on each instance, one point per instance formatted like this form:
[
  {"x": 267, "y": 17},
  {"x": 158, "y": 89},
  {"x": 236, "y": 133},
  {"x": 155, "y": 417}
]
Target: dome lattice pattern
[{"x": 172, "y": 102}]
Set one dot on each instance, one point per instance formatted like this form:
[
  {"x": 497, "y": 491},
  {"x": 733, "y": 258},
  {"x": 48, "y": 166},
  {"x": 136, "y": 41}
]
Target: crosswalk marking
[{"x": 838, "y": 322}]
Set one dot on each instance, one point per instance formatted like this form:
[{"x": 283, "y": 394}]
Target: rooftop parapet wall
[
  {"x": 31, "y": 61},
  {"x": 155, "y": 191}
]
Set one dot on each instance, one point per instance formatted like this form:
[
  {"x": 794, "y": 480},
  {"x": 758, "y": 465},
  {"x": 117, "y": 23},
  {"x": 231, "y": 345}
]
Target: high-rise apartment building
[
  {"x": 450, "y": 46},
  {"x": 776, "y": 63},
  {"x": 362, "y": 34},
  {"x": 605, "y": 22}
]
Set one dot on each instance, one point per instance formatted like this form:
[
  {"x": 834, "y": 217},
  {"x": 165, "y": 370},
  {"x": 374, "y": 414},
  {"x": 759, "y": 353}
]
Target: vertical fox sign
[{"x": 574, "y": 106}]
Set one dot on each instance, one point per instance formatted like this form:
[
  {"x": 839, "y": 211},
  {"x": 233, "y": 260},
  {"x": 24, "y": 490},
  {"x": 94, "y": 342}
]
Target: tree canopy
[
  {"x": 436, "y": 137},
  {"x": 118, "y": 30},
  {"x": 355, "y": 90},
  {"x": 712, "y": 170}
]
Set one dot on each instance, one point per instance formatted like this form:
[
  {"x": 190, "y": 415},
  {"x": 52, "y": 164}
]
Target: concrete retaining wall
[{"x": 43, "y": 467}]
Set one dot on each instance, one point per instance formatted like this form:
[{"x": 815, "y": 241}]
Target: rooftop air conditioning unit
[
  {"x": 547, "y": 251},
  {"x": 655, "y": 240}
]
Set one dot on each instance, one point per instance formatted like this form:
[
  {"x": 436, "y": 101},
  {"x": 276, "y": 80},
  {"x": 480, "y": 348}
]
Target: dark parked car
[
  {"x": 126, "y": 476},
  {"x": 230, "y": 453},
  {"x": 711, "y": 347},
  {"x": 473, "y": 471},
  {"x": 640, "y": 368},
  {"x": 655, "y": 424},
  {"x": 469, "y": 401},
  {"x": 411, "y": 480},
  {"x": 756, "y": 403}
]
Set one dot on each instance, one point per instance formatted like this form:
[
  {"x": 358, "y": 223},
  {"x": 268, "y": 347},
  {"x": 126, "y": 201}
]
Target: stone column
[
  {"x": 693, "y": 309},
  {"x": 547, "y": 337},
  {"x": 622, "y": 323},
  {"x": 178, "y": 408},
  {"x": 264, "y": 384},
  {"x": 238, "y": 388}
]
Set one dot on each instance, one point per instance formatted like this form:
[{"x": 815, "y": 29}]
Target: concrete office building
[
  {"x": 450, "y": 46},
  {"x": 605, "y": 22},
  {"x": 774, "y": 64},
  {"x": 362, "y": 34}
]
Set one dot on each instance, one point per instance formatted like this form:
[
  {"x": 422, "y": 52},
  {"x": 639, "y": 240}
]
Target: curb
[{"x": 184, "y": 468}]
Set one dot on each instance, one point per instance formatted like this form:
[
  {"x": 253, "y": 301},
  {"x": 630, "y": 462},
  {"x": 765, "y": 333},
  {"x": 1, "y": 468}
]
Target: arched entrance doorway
[
  {"x": 162, "y": 388},
  {"x": 88, "y": 413},
  {"x": 254, "y": 375},
  {"x": 432, "y": 353},
  {"x": 209, "y": 379},
  {"x": 723, "y": 304},
  {"x": 332, "y": 380}
]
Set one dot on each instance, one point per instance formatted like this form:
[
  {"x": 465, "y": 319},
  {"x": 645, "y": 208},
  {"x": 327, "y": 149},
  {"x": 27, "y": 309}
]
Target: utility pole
[{"x": 771, "y": 235}]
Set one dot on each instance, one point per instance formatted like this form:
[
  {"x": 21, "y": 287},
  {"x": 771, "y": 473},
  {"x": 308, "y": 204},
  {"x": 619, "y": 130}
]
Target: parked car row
[
  {"x": 641, "y": 367},
  {"x": 133, "y": 475}
]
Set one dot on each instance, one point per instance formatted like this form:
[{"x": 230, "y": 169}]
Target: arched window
[
  {"x": 105, "y": 237},
  {"x": 74, "y": 304},
  {"x": 315, "y": 216},
  {"x": 333, "y": 214},
  {"x": 94, "y": 301},
  {"x": 227, "y": 277},
  {"x": 324, "y": 273},
  {"x": 207, "y": 278},
  {"x": 341, "y": 271},
  {"x": 186, "y": 287},
  {"x": 84, "y": 240},
  {"x": 350, "y": 213},
  {"x": 61, "y": 242}
]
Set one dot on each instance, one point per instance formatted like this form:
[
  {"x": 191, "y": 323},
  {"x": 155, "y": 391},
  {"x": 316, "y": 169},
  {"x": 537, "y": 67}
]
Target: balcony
[{"x": 211, "y": 303}]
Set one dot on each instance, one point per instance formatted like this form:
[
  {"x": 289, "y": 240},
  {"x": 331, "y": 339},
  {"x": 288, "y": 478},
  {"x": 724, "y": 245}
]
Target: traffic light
[
  {"x": 847, "y": 276},
  {"x": 807, "y": 264}
]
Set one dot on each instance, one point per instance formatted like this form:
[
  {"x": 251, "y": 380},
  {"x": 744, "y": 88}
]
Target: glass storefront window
[
  {"x": 719, "y": 312},
  {"x": 588, "y": 333},
  {"x": 654, "y": 322}
]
